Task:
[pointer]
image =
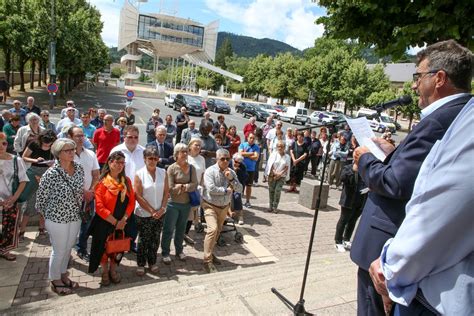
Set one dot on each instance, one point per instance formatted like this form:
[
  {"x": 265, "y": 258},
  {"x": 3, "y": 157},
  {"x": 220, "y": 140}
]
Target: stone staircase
[{"x": 330, "y": 290}]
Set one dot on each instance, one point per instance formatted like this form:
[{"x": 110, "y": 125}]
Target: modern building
[{"x": 166, "y": 36}]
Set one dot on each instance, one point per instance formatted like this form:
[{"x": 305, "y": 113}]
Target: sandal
[
  {"x": 105, "y": 279},
  {"x": 154, "y": 268},
  {"x": 141, "y": 271},
  {"x": 8, "y": 256},
  {"x": 21, "y": 237},
  {"x": 61, "y": 290},
  {"x": 71, "y": 284},
  {"x": 115, "y": 277}
]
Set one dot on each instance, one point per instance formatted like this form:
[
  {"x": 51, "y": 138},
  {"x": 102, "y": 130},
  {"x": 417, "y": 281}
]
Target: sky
[{"x": 289, "y": 21}]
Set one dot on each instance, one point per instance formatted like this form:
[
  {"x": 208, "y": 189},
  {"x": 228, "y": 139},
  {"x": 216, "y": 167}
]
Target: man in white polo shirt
[{"x": 88, "y": 160}]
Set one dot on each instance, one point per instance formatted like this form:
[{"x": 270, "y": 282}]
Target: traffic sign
[
  {"x": 130, "y": 94},
  {"x": 52, "y": 88}
]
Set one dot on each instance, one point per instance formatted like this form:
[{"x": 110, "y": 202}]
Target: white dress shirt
[{"x": 133, "y": 160}]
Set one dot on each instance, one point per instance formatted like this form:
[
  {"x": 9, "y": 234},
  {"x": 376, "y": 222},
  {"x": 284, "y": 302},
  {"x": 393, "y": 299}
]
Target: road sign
[
  {"x": 130, "y": 94},
  {"x": 52, "y": 88}
]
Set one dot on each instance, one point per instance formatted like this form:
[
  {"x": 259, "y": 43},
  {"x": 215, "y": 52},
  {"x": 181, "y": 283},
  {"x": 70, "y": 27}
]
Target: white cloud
[
  {"x": 291, "y": 21},
  {"x": 110, "y": 16}
]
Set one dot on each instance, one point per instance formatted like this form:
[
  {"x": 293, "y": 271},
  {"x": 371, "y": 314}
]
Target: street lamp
[{"x": 52, "y": 55}]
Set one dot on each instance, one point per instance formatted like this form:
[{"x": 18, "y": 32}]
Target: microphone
[{"x": 403, "y": 100}]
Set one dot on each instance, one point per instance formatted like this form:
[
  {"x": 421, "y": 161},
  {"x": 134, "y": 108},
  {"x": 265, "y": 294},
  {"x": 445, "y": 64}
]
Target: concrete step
[{"x": 243, "y": 291}]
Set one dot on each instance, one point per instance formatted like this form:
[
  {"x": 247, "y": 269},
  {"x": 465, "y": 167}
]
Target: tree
[
  {"x": 354, "y": 88},
  {"x": 256, "y": 74},
  {"x": 379, "y": 97},
  {"x": 281, "y": 77},
  {"x": 393, "y": 26},
  {"x": 412, "y": 109},
  {"x": 224, "y": 51}
]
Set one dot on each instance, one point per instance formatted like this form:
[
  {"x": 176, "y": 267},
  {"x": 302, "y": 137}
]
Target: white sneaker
[
  {"x": 340, "y": 248},
  {"x": 241, "y": 221},
  {"x": 166, "y": 260},
  {"x": 347, "y": 245},
  {"x": 181, "y": 256}
]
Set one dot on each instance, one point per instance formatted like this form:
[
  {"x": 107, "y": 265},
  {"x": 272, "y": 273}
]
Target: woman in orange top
[{"x": 115, "y": 202}]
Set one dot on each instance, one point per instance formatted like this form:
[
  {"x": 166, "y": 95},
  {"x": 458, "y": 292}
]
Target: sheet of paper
[{"x": 364, "y": 134}]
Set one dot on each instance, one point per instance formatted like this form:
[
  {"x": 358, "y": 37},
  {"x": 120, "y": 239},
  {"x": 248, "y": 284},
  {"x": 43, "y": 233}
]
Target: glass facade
[{"x": 145, "y": 31}]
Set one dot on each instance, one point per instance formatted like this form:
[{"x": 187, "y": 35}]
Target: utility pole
[{"x": 52, "y": 55}]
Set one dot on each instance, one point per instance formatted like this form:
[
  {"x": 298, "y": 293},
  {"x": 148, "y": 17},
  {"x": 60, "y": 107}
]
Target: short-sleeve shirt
[
  {"x": 37, "y": 152},
  {"x": 89, "y": 163},
  {"x": 249, "y": 163},
  {"x": 6, "y": 179},
  {"x": 181, "y": 118},
  {"x": 88, "y": 130},
  {"x": 105, "y": 142}
]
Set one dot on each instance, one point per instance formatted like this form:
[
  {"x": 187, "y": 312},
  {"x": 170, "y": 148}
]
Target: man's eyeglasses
[
  {"x": 132, "y": 137},
  {"x": 224, "y": 159},
  {"x": 236, "y": 162},
  {"x": 44, "y": 114},
  {"x": 418, "y": 75}
]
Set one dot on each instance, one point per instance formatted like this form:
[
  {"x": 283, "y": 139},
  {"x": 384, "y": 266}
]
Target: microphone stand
[{"x": 298, "y": 308}]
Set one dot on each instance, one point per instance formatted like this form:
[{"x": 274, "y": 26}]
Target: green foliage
[
  {"x": 379, "y": 97},
  {"x": 393, "y": 26},
  {"x": 224, "y": 51},
  {"x": 411, "y": 110},
  {"x": 280, "y": 80},
  {"x": 257, "y": 73},
  {"x": 354, "y": 88},
  {"x": 116, "y": 72},
  {"x": 143, "y": 77},
  {"x": 25, "y": 29},
  {"x": 246, "y": 46}
]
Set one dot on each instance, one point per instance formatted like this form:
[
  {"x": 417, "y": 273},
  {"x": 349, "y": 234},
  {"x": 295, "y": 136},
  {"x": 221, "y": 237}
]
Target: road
[{"x": 114, "y": 100}]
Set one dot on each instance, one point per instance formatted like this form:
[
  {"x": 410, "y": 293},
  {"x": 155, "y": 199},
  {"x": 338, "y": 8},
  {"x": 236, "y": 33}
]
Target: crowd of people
[{"x": 88, "y": 175}]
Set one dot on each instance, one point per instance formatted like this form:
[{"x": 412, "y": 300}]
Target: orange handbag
[{"x": 117, "y": 244}]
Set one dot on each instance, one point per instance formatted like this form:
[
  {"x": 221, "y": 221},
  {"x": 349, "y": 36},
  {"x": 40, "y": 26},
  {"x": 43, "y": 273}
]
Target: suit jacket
[
  {"x": 167, "y": 158},
  {"x": 391, "y": 183}
]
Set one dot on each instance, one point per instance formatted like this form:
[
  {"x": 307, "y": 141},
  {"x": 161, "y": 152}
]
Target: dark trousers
[
  {"x": 369, "y": 302},
  {"x": 149, "y": 233},
  {"x": 314, "y": 164},
  {"x": 132, "y": 230},
  {"x": 81, "y": 245},
  {"x": 179, "y": 132},
  {"x": 346, "y": 223},
  {"x": 414, "y": 309}
]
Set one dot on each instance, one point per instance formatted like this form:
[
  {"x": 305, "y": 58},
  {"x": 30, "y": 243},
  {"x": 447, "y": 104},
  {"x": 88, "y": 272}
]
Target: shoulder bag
[
  {"x": 194, "y": 196},
  {"x": 26, "y": 193}
]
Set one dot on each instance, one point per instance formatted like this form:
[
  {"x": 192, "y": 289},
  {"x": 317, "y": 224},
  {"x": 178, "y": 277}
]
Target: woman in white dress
[
  {"x": 151, "y": 193},
  {"x": 199, "y": 164},
  {"x": 278, "y": 172}
]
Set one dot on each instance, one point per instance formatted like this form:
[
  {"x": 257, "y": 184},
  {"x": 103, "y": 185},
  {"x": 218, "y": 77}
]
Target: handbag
[
  {"x": 194, "y": 196},
  {"x": 29, "y": 186},
  {"x": 117, "y": 244}
]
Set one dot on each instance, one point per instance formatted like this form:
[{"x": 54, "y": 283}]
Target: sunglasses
[
  {"x": 132, "y": 137},
  {"x": 44, "y": 114},
  {"x": 153, "y": 158},
  {"x": 69, "y": 151},
  {"x": 237, "y": 162},
  {"x": 224, "y": 159},
  {"x": 118, "y": 162}
]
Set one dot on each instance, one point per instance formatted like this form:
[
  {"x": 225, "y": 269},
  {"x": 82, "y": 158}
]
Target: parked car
[
  {"x": 169, "y": 99},
  {"x": 239, "y": 108},
  {"x": 377, "y": 122},
  {"x": 318, "y": 117},
  {"x": 258, "y": 112},
  {"x": 203, "y": 102},
  {"x": 279, "y": 108},
  {"x": 192, "y": 104},
  {"x": 269, "y": 108},
  {"x": 218, "y": 105},
  {"x": 295, "y": 115}
]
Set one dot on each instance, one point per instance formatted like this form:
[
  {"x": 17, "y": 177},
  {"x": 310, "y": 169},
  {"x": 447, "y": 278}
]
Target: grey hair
[
  {"x": 194, "y": 140},
  {"x": 222, "y": 152},
  {"x": 238, "y": 157},
  {"x": 44, "y": 112},
  {"x": 30, "y": 98},
  {"x": 102, "y": 111},
  {"x": 59, "y": 144},
  {"x": 160, "y": 128},
  {"x": 179, "y": 148},
  {"x": 451, "y": 57},
  {"x": 31, "y": 115}
]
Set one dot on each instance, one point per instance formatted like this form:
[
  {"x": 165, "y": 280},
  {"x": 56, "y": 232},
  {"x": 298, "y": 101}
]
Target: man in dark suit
[
  {"x": 164, "y": 148},
  {"x": 442, "y": 82}
]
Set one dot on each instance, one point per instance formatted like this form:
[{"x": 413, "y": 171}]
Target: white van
[
  {"x": 378, "y": 123},
  {"x": 295, "y": 115}
]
